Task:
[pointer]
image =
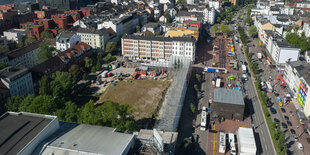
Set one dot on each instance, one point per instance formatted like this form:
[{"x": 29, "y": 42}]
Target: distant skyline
[{"x": 2, "y": 2}]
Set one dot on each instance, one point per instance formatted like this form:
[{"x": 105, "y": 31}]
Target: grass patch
[{"x": 144, "y": 96}]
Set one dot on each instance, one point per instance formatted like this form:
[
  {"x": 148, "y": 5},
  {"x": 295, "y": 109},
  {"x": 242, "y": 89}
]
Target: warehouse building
[
  {"x": 21, "y": 132},
  {"x": 228, "y": 103}
]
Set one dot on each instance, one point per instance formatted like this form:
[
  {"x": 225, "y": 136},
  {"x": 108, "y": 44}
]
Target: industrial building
[
  {"x": 227, "y": 103},
  {"x": 21, "y": 132},
  {"x": 88, "y": 139}
]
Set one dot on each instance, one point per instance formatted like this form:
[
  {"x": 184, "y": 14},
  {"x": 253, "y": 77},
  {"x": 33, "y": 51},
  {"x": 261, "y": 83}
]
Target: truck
[
  {"x": 244, "y": 69},
  {"x": 218, "y": 83},
  {"x": 259, "y": 55},
  {"x": 222, "y": 144},
  {"x": 246, "y": 141},
  {"x": 231, "y": 140},
  {"x": 203, "y": 120},
  {"x": 104, "y": 74}
]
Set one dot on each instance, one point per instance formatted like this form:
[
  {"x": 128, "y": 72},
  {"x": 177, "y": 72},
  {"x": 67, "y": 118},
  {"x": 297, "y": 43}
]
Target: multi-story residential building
[
  {"x": 97, "y": 39},
  {"x": 27, "y": 55},
  {"x": 122, "y": 25},
  {"x": 33, "y": 29},
  {"x": 17, "y": 79},
  {"x": 186, "y": 16},
  {"x": 287, "y": 10},
  {"x": 209, "y": 15},
  {"x": 66, "y": 40},
  {"x": 147, "y": 48},
  {"x": 214, "y": 4},
  {"x": 46, "y": 12},
  {"x": 281, "y": 51},
  {"x": 152, "y": 27},
  {"x": 306, "y": 28},
  {"x": 297, "y": 78},
  {"x": 17, "y": 35},
  {"x": 303, "y": 5}
]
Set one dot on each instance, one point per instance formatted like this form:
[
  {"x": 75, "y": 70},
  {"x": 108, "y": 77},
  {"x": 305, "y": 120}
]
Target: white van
[{"x": 231, "y": 141}]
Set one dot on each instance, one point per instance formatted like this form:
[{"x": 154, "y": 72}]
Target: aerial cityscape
[{"x": 155, "y": 77}]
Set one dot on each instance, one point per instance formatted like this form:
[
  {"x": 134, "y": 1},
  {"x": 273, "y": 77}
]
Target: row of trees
[
  {"x": 56, "y": 96},
  {"x": 224, "y": 28},
  {"x": 228, "y": 14},
  {"x": 300, "y": 41}
]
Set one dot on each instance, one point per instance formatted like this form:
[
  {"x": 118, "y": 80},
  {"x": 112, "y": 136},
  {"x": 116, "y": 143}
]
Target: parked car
[
  {"x": 273, "y": 110},
  {"x": 283, "y": 110},
  {"x": 299, "y": 146},
  {"x": 284, "y": 125},
  {"x": 289, "y": 123},
  {"x": 286, "y": 117},
  {"x": 293, "y": 131},
  {"x": 276, "y": 120}
]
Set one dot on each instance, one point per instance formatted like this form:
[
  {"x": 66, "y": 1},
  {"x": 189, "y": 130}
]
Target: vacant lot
[{"x": 143, "y": 95}]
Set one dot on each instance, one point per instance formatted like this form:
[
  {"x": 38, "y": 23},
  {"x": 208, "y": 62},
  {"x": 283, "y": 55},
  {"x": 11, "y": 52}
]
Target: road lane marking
[{"x": 214, "y": 140}]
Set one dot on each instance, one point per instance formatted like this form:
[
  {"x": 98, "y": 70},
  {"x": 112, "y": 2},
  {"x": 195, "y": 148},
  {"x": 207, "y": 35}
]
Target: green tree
[
  {"x": 13, "y": 103},
  {"x": 196, "y": 88},
  {"x": 109, "y": 58},
  {"x": 99, "y": 56},
  {"x": 192, "y": 108},
  {"x": 19, "y": 44},
  {"x": 225, "y": 29},
  {"x": 3, "y": 49},
  {"x": 88, "y": 114},
  {"x": 45, "y": 52},
  {"x": 215, "y": 28},
  {"x": 111, "y": 47},
  {"x": 300, "y": 41},
  {"x": 169, "y": 18},
  {"x": 248, "y": 20},
  {"x": 29, "y": 40},
  {"x": 181, "y": 2},
  {"x": 198, "y": 77},
  {"x": 44, "y": 86},
  {"x": 88, "y": 62},
  {"x": 253, "y": 31},
  {"x": 3, "y": 65},
  {"x": 218, "y": 19},
  {"x": 46, "y": 34},
  {"x": 138, "y": 28},
  {"x": 84, "y": 77},
  {"x": 42, "y": 104},
  {"x": 98, "y": 66},
  {"x": 62, "y": 84},
  {"x": 75, "y": 70},
  {"x": 93, "y": 69},
  {"x": 69, "y": 113}
]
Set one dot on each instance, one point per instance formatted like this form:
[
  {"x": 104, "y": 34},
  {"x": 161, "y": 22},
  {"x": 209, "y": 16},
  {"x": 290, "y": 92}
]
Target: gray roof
[
  {"x": 64, "y": 37},
  {"x": 90, "y": 139},
  {"x": 92, "y": 31},
  {"x": 230, "y": 96},
  {"x": 18, "y": 129},
  {"x": 160, "y": 38},
  {"x": 13, "y": 72},
  {"x": 151, "y": 25}
]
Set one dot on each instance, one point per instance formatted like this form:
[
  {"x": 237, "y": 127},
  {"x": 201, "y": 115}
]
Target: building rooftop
[
  {"x": 303, "y": 69},
  {"x": 89, "y": 139},
  {"x": 23, "y": 50},
  {"x": 64, "y": 37},
  {"x": 19, "y": 129},
  {"x": 92, "y": 31},
  {"x": 161, "y": 38},
  {"x": 231, "y": 96},
  {"x": 12, "y": 72}
]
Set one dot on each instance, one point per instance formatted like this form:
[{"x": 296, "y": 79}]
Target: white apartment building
[
  {"x": 209, "y": 15},
  {"x": 66, "y": 40},
  {"x": 122, "y": 25},
  {"x": 97, "y": 39},
  {"x": 306, "y": 29},
  {"x": 214, "y": 4},
  {"x": 147, "y": 48},
  {"x": 18, "y": 80},
  {"x": 281, "y": 51},
  {"x": 297, "y": 78},
  {"x": 303, "y": 5},
  {"x": 17, "y": 35},
  {"x": 287, "y": 10}
]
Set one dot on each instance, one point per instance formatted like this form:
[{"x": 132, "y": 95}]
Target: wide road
[{"x": 262, "y": 135}]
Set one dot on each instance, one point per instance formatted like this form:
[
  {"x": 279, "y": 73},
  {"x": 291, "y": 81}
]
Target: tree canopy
[
  {"x": 181, "y": 2},
  {"x": 29, "y": 40},
  {"x": 3, "y": 49},
  {"x": 45, "y": 52},
  {"x": 111, "y": 47},
  {"x": 169, "y": 18},
  {"x": 253, "y": 31},
  {"x": 62, "y": 84},
  {"x": 225, "y": 28},
  {"x": 300, "y": 41},
  {"x": 3, "y": 65},
  {"x": 46, "y": 34}
]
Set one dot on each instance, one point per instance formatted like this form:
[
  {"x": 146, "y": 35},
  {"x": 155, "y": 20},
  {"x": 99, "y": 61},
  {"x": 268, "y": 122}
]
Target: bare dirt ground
[{"x": 143, "y": 96}]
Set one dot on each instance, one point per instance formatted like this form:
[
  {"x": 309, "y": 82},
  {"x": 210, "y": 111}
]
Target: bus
[
  {"x": 269, "y": 87},
  {"x": 222, "y": 144}
]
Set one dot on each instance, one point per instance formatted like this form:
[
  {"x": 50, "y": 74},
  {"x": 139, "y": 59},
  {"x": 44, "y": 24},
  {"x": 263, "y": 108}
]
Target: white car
[{"x": 299, "y": 146}]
